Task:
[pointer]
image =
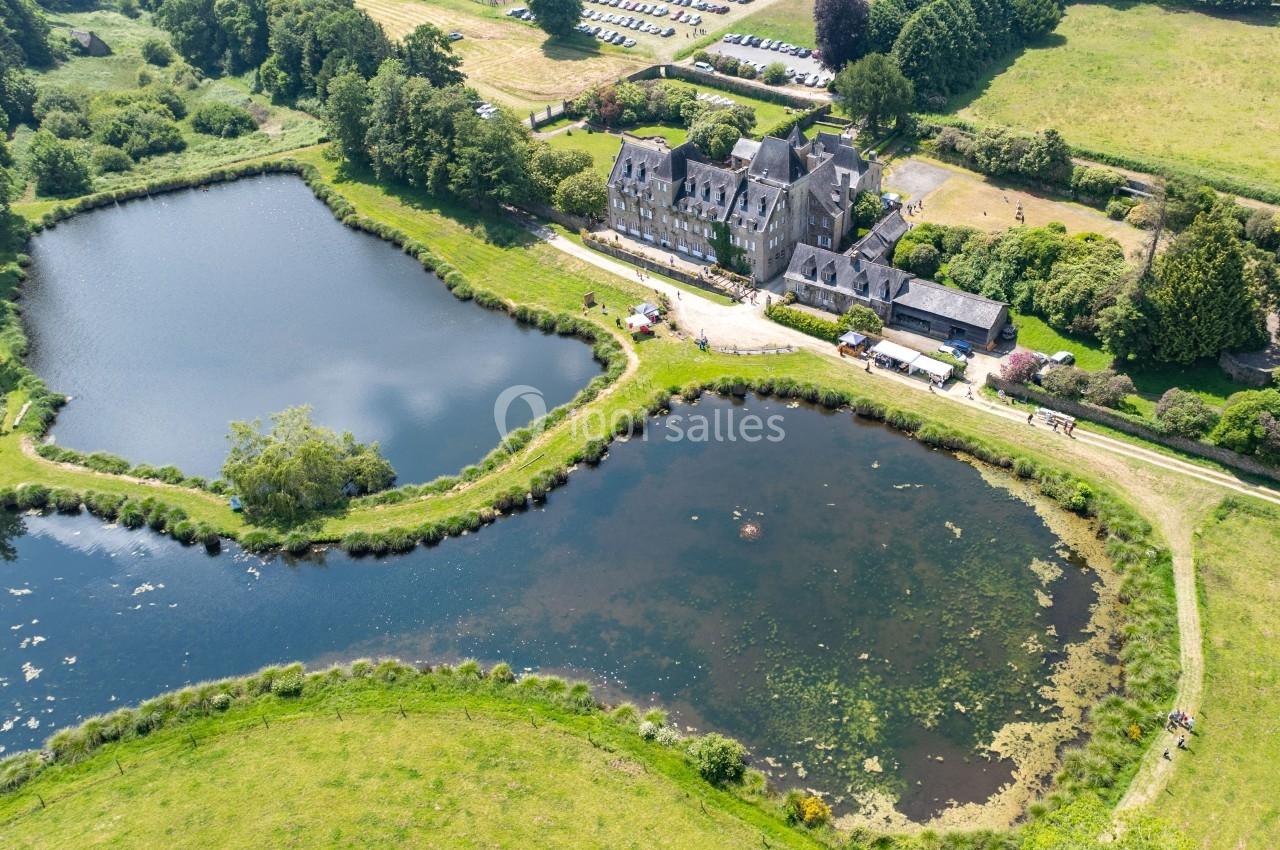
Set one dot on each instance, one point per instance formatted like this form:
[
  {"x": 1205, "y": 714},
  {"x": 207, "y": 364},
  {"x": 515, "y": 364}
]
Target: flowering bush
[
  {"x": 1020, "y": 367},
  {"x": 648, "y": 730},
  {"x": 668, "y": 736},
  {"x": 718, "y": 759}
]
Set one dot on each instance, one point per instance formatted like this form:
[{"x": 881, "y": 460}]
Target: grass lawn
[
  {"x": 1034, "y": 333},
  {"x": 1167, "y": 85},
  {"x": 510, "y": 62},
  {"x": 787, "y": 20},
  {"x": 603, "y": 147},
  {"x": 426, "y": 761},
  {"x": 1223, "y": 793},
  {"x": 282, "y": 130},
  {"x": 974, "y": 200}
]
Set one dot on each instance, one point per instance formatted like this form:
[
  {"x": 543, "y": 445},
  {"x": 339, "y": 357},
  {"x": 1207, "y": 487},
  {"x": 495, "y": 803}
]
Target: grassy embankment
[
  {"x": 1223, "y": 793},
  {"x": 282, "y": 128},
  {"x": 1173, "y": 87},
  {"x": 393, "y": 758}
]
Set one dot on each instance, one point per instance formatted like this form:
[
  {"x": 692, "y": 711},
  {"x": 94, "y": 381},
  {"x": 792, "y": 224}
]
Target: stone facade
[
  {"x": 836, "y": 282},
  {"x": 772, "y": 195}
]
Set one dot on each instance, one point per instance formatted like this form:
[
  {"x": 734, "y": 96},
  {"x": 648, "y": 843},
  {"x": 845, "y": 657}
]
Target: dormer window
[
  {"x": 762, "y": 206},
  {"x": 706, "y": 191},
  {"x": 743, "y": 204},
  {"x": 810, "y": 268},
  {"x": 720, "y": 196},
  {"x": 688, "y": 186},
  {"x": 627, "y": 169},
  {"x": 642, "y": 172}
]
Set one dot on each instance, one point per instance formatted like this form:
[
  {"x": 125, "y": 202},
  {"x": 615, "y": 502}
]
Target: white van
[{"x": 704, "y": 66}]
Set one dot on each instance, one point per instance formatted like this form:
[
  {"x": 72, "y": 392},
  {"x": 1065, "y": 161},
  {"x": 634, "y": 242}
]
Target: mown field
[
  {"x": 429, "y": 761},
  {"x": 1171, "y": 86},
  {"x": 1223, "y": 793},
  {"x": 511, "y": 63},
  {"x": 282, "y": 129}
]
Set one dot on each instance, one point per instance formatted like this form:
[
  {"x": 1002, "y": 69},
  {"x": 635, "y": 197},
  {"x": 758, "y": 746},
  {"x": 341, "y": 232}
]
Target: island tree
[{"x": 298, "y": 467}]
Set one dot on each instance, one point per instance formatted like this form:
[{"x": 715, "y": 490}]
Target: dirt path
[{"x": 1154, "y": 771}]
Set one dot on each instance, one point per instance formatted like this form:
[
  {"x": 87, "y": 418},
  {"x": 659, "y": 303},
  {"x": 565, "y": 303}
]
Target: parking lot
[
  {"x": 663, "y": 28},
  {"x": 801, "y": 66}
]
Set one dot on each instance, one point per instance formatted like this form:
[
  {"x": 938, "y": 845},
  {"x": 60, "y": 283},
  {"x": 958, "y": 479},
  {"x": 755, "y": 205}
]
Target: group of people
[{"x": 1179, "y": 720}]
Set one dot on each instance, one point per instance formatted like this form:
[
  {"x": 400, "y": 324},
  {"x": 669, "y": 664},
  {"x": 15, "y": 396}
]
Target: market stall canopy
[
  {"x": 852, "y": 338},
  {"x": 935, "y": 368},
  {"x": 893, "y": 351},
  {"x": 636, "y": 322}
]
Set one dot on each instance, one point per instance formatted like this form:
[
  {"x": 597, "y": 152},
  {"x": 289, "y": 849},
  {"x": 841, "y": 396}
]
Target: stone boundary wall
[{"x": 1094, "y": 413}]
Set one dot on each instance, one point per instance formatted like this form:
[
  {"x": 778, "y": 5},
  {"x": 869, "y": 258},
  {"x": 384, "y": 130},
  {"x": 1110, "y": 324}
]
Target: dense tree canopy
[
  {"x": 840, "y": 31},
  {"x": 298, "y": 467},
  {"x": 1201, "y": 305},
  {"x": 427, "y": 52},
  {"x": 874, "y": 89},
  {"x": 1250, "y": 424},
  {"x": 297, "y": 45}
]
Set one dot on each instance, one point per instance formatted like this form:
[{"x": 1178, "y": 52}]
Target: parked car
[
  {"x": 455, "y": 36},
  {"x": 1009, "y": 331},
  {"x": 704, "y": 66},
  {"x": 951, "y": 351},
  {"x": 631, "y": 42},
  {"x": 960, "y": 345},
  {"x": 1063, "y": 358}
]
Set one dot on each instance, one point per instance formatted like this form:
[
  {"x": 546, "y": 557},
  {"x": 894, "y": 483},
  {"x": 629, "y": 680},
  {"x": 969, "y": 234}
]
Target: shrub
[
  {"x": 1118, "y": 208},
  {"x": 501, "y": 673},
  {"x": 65, "y": 501},
  {"x": 32, "y": 497},
  {"x": 648, "y": 730},
  {"x": 1065, "y": 382},
  {"x": 862, "y": 319},
  {"x": 718, "y": 759},
  {"x": 1108, "y": 388},
  {"x": 288, "y": 685},
  {"x": 1019, "y": 367},
  {"x": 111, "y": 160},
  {"x": 258, "y": 541},
  {"x": 1185, "y": 414},
  {"x": 223, "y": 119},
  {"x": 667, "y": 736},
  {"x": 775, "y": 73},
  {"x": 296, "y": 543},
  {"x": 220, "y": 702},
  {"x": 156, "y": 51}
]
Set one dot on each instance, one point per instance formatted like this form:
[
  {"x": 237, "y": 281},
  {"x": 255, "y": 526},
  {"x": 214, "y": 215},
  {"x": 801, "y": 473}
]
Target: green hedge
[{"x": 804, "y": 322}]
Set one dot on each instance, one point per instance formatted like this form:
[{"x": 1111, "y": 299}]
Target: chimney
[{"x": 846, "y": 188}]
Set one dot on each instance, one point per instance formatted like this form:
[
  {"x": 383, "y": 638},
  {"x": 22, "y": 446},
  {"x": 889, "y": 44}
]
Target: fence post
[{"x": 119, "y": 768}]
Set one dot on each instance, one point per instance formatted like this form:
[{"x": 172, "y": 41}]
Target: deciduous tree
[
  {"x": 840, "y": 30},
  {"x": 557, "y": 17},
  {"x": 874, "y": 89}
]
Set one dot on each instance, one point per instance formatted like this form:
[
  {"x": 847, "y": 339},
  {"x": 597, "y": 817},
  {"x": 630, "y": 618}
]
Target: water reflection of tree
[{"x": 11, "y": 528}]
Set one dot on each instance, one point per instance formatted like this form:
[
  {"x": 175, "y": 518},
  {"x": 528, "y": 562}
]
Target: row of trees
[
  {"x": 408, "y": 129},
  {"x": 941, "y": 46}
]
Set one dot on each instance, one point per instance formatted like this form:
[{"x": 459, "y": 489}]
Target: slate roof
[
  {"x": 777, "y": 160},
  {"x": 840, "y": 271},
  {"x": 878, "y": 282},
  {"x": 877, "y": 246},
  {"x": 938, "y": 300},
  {"x": 745, "y": 148}
]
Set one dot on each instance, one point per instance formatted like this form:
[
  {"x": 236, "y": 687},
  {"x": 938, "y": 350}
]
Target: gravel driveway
[{"x": 914, "y": 179}]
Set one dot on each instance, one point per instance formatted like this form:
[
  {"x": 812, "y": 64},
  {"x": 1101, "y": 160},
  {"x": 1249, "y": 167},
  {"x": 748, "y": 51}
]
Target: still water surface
[
  {"x": 167, "y": 318},
  {"x": 888, "y": 584}
]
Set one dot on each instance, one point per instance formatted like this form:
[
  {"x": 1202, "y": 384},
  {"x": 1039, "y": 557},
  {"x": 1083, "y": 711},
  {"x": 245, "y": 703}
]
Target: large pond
[
  {"x": 862, "y": 611},
  {"x": 167, "y": 318}
]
